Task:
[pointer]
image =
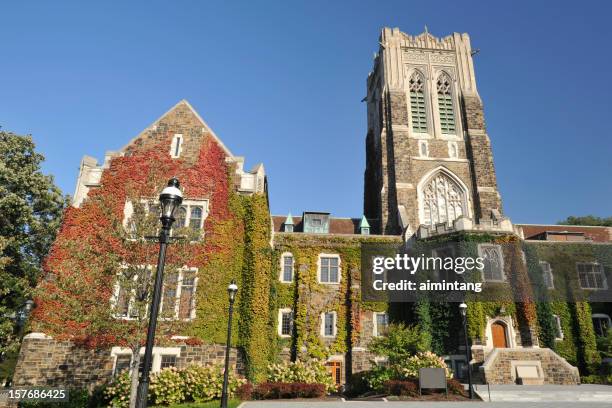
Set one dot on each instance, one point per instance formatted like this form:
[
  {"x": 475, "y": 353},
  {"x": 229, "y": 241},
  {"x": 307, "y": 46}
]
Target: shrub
[
  {"x": 401, "y": 387},
  {"x": 357, "y": 384},
  {"x": 276, "y": 390},
  {"x": 77, "y": 398},
  {"x": 117, "y": 393},
  {"x": 400, "y": 342},
  {"x": 310, "y": 372},
  {"x": 409, "y": 367},
  {"x": 455, "y": 387},
  {"x": 245, "y": 392},
  {"x": 597, "y": 379},
  {"x": 206, "y": 383},
  {"x": 377, "y": 376},
  {"x": 167, "y": 387}
]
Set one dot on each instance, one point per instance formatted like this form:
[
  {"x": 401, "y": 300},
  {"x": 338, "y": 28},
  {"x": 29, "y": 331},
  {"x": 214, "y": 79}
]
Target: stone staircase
[
  {"x": 505, "y": 365},
  {"x": 546, "y": 393}
]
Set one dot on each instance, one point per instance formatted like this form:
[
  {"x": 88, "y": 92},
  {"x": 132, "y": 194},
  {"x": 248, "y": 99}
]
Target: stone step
[{"x": 546, "y": 393}]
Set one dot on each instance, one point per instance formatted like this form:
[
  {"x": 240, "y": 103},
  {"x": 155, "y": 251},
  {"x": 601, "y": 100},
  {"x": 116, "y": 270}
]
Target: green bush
[
  {"x": 309, "y": 372},
  {"x": 378, "y": 376},
  {"x": 77, "y": 398},
  {"x": 167, "y": 387},
  {"x": 206, "y": 383},
  {"x": 401, "y": 341}
]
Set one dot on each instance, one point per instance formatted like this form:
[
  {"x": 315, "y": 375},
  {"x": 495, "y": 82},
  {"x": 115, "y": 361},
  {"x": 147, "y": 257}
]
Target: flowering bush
[
  {"x": 167, "y": 387},
  {"x": 117, "y": 393},
  {"x": 206, "y": 383},
  {"x": 310, "y": 372},
  {"x": 409, "y": 367}
]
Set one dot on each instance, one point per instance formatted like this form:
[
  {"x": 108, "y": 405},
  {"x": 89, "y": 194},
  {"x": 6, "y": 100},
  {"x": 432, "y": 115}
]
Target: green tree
[
  {"x": 587, "y": 220},
  {"x": 31, "y": 207},
  {"x": 400, "y": 342}
]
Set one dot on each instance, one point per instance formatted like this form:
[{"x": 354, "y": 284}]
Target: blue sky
[{"x": 281, "y": 83}]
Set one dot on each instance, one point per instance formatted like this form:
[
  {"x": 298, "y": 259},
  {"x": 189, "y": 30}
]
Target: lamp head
[
  {"x": 232, "y": 289},
  {"x": 463, "y": 309},
  {"x": 170, "y": 199}
]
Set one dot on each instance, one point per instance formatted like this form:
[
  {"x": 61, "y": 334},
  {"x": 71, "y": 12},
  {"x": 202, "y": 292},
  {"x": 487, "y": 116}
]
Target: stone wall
[{"x": 47, "y": 362}]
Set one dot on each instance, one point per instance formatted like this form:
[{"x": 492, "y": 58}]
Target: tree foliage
[
  {"x": 31, "y": 206},
  {"x": 587, "y": 220},
  {"x": 401, "y": 342}
]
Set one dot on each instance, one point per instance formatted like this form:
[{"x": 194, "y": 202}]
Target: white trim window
[
  {"x": 547, "y": 275},
  {"x": 178, "y": 294},
  {"x": 601, "y": 324},
  {"x": 287, "y": 266},
  {"x": 285, "y": 322},
  {"x": 176, "y": 147},
  {"x": 329, "y": 269},
  {"x": 493, "y": 260},
  {"x": 380, "y": 323},
  {"x": 163, "y": 357},
  {"x": 129, "y": 298},
  {"x": 591, "y": 275},
  {"x": 192, "y": 214},
  {"x": 558, "y": 328},
  {"x": 328, "y": 324}
]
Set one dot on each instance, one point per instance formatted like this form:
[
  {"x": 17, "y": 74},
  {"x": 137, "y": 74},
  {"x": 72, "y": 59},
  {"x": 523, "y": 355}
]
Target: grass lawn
[{"x": 209, "y": 404}]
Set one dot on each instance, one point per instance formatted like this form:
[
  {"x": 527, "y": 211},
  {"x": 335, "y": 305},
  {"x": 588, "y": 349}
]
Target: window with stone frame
[
  {"x": 285, "y": 322},
  {"x": 329, "y": 269},
  {"x": 329, "y": 324},
  {"x": 186, "y": 297},
  {"x": 122, "y": 363},
  {"x": 493, "y": 261},
  {"x": 167, "y": 361},
  {"x": 547, "y": 275},
  {"x": 381, "y": 323},
  {"x": 445, "y": 104},
  {"x": 176, "y": 146},
  {"x": 129, "y": 299},
  {"x": 287, "y": 266},
  {"x": 591, "y": 275},
  {"x": 418, "y": 110},
  {"x": 601, "y": 324},
  {"x": 443, "y": 200},
  {"x": 178, "y": 294},
  {"x": 558, "y": 328}
]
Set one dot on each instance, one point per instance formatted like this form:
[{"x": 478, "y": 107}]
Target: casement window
[
  {"x": 445, "y": 105},
  {"x": 285, "y": 322},
  {"x": 178, "y": 295},
  {"x": 558, "y": 328},
  {"x": 591, "y": 275},
  {"x": 287, "y": 267},
  {"x": 329, "y": 269},
  {"x": 176, "y": 147},
  {"x": 167, "y": 360},
  {"x": 381, "y": 324},
  {"x": 601, "y": 324},
  {"x": 328, "y": 324},
  {"x": 418, "y": 111},
  {"x": 493, "y": 260},
  {"x": 547, "y": 275}
]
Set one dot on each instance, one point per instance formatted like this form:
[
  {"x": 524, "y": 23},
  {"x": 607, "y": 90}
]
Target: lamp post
[
  {"x": 463, "y": 310},
  {"x": 170, "y": 198},
  {"x": 232, "y": 289}
]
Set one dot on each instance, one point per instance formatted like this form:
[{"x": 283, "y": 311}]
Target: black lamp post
[
  {"x": 231, "y": 291},
  {"x": 170, "y": 199},
  {"x": 463, "y": 310}
]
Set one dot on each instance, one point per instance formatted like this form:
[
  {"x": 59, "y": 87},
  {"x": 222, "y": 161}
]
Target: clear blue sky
[{"x": 281, "y": 83}]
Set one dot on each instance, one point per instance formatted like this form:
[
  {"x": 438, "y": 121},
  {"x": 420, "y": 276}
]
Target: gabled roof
[{"x": 183, "y": 102}]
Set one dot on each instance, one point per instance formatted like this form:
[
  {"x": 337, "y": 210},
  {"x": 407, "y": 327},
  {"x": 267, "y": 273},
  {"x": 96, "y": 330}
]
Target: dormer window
[{"x": 176, "y": 146}]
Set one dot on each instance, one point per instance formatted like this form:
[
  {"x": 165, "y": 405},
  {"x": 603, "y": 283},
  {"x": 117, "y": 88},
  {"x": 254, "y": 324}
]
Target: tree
[
  {"x": 401, "y": 341},
  {"x": 587, "y": 220},
  {"x": 31, "y": 207}
]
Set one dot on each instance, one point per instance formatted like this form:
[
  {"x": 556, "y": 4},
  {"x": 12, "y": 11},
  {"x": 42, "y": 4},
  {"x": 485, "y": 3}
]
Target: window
[
  {"x": 445, "y": 105},
  {"x": 285, "y": 322},
  {"x": 443, "y": 200},
  {"x": 287, "y": 268},
  {"x": 328, "y": 321},
  {"x": 167, "y": 361},
  {"x": 547, "y": 275},
  {"x": 558, "y": 328},
  {"x": 186, "y": 297},
  {"x": 493, "y": 262},
  {"x": 423, "y": 148},
  {"x": 130, "y": 296},
  {"x": 195, "y": 217},
  {"x": 169, "y": 294},
  {"x": 381, "y": 324},
  {"x": 176, "y": 146},
  {"x": 329, "y": 269},
  {"x": 416, "y": 87},
  {"x": 335, "y": 370},
  {"x": 122, "y": 363},
  {"x": 441, "y": 273},
  {"x": 591, "y": 275},
  {"x": 178, "y": 296},
  {"x": 601, "y": 324}
]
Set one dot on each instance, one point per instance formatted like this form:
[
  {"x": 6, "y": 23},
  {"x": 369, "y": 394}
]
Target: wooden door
[
  {"x": 335, "y": 369},
  {"x": 498, "y": 331}
]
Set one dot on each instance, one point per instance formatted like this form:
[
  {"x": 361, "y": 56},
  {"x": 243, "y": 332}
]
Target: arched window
[
  {"x": 443, "y": 200},
  {"x": 445, "y": 104},
  {"x": 416, "y": 86}
]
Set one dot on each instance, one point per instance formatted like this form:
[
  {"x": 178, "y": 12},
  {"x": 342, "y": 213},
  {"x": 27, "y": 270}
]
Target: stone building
[{"x": 429, "y": 180}]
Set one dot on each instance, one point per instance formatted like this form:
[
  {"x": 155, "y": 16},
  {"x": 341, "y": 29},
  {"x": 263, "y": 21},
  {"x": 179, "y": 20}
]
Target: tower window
[
  {"x": 445, "y": 105},
  {"x": 417, "y": 103},
  {"x": 443, "y": 200},
  {"x": 493, "y": 262},
  {"x": 176, "y": 146}
]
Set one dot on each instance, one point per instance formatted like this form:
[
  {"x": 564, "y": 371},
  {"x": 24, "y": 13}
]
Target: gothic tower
[{"x": 428, "y": 155}]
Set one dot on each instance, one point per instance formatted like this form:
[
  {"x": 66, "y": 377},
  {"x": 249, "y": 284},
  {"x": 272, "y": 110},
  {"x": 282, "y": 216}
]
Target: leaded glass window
[
  {"x": 416, "y": 86},
  {"x": 591, "y": 275},
  {"x": 195, "y": 219},
  {"x": 445, "y": 104},
  {"x": 493, "y": 262},
  {"x": 443, "y": 200},
  {"x": 286, "y": 323},
  {"x": 287, "y": 268}
]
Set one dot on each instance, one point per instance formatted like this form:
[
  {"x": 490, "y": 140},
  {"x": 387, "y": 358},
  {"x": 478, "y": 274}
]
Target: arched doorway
[{"x": 499, "y": 334}]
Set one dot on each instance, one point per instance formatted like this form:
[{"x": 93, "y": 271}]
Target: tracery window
[
  {"x": 416, "y": 86},
  {"x": 493, "y": 262},
  {"x": 445, "y": 104},
  {"x": 443, "y": 200}
]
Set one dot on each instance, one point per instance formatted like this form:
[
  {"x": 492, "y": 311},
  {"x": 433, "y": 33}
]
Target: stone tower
[{"x": 428, "y": 155}]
